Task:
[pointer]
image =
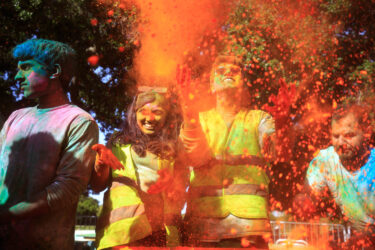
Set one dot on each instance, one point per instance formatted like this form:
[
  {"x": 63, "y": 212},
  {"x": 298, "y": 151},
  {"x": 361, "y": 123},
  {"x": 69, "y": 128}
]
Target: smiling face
[
  {"x": 151, "y": 117},
  {"x": 33, "y": 77},
  {"x": 348, "y": 138},
  {"x": 226, "y": 76}
]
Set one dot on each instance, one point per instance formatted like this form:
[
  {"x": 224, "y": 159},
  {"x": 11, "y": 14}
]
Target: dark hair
[
  {"x": 360, "y": 111},
  {"x": 164, "y": 143},
  {"x": 49, "y": 53}
]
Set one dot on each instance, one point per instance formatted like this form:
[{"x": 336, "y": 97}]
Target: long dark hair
[{"x": 164, "y": 142}]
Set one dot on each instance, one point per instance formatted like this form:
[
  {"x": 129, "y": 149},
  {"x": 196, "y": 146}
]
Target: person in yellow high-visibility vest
[
  {"x": 229, "y": 148},
  {"x": 139, "y": 208}
]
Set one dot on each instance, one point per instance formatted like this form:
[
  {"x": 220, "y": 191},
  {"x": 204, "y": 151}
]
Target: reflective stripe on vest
[
  {"x": 209, "y": 197},
  {"x": 123, "y": 231},
  {"x": 231, "y": 189},
  {"x": 123, "y": 218},
  {"x": 123, "y": 180},
  {"x": 240, "y": 160},
  {"x": 120, "y": 214}
]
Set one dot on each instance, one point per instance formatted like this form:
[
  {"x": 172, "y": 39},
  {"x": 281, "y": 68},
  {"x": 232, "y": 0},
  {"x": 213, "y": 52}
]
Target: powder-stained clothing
[
  {"x": 45, "y": 150},
  {"x": 354, "y": 191},
  {"x": 131, "y": 214},
  {"x": 229, "y": 185}
]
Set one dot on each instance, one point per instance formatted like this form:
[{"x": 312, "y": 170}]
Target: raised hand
[
  {"x": 280, "y": 111},
  {"x": 187, "y": 92},
  {"x": 282, "y": 102},
  {"x": 183, "y": 79},
  {"x": 105, "y": 158}
]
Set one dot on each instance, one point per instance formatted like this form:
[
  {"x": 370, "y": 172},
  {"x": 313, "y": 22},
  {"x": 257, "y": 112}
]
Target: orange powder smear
[{"x": 168, "y": 30}]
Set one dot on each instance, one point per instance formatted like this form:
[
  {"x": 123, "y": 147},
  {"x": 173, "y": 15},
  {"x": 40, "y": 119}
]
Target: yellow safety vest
[
  {"x": 235, "y": 181},
  {"x": 122, "y": 219}
]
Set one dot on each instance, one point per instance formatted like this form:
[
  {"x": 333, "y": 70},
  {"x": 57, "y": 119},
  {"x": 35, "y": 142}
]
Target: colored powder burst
[
  {"x": 93, "y": 60},
  {"x": 278, "y": 39},
  {"x": 169, "y": 29}
]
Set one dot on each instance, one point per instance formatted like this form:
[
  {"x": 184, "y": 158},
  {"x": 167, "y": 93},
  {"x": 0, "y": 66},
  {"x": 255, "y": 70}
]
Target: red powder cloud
[{"x": 169, "y": 29}]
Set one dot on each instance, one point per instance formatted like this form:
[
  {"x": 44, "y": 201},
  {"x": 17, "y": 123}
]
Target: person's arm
[
  {"x": 74, "y": 170},
  {"x": 266, "y": 136},
  {"x": 4, "y": 195},
  {"x": 304, "y": 203},
  {"x": 191, "y": 133},
  {"x": 282, "y": 140},
  {"x": 314, "y": 191},
  {"x": 195, "y": 144},
  {"x": 313, "y": 203},
  {"x": 275, "y": 140},
  {"x": 27, "y": 209}
]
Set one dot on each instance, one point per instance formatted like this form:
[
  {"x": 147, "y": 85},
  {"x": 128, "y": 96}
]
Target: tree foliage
[
  {"x": 87, "y": 206},
  {"x": 100, "y": 32}
]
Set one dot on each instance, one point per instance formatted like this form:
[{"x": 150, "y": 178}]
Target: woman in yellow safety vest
[{"x": 143, "y": 202}]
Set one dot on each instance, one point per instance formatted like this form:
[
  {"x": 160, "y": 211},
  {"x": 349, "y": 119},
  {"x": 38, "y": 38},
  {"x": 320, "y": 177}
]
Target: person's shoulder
[
  {"x": 371, "y": 158},
  {"x": 119, "y": 146},
  {"x": 78, "y": 118},
  {"x": 329, "y": 151},
  {"x": 75, "y": 115},
  {"x": 319, "y": 165},
  {"x": 256, "y": 114},
  {"x": 78, "y": 112},
  {"x": 121, "y": 151},
  {"x": 324, "y": 155},
  {"x": 16, "y": 117},
  {"x": 22, "y": 111},
  {"x": 19, "y": 113}
]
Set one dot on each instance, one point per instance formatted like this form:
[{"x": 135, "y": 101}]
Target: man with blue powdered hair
[{"x": 45, "y": 152}]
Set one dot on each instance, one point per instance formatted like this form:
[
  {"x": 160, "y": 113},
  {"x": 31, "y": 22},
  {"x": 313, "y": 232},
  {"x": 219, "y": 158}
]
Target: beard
[{"x": 353, "y": 158}]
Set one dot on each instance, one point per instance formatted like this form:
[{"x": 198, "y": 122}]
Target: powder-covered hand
[
  {"x": 187, "y": 92},
  {"x": 282, "y": 102},
  {"x": 105, "y": 158}
]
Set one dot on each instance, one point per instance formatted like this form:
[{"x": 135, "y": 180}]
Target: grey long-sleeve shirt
[{"x": 46, "y": 150}]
